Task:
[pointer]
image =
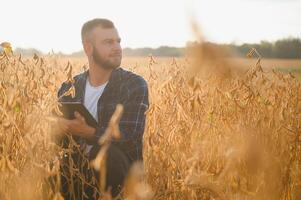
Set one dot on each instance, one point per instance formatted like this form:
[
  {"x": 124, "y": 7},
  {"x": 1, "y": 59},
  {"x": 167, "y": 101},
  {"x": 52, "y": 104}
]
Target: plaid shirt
[{"x": 126, "y": 88}]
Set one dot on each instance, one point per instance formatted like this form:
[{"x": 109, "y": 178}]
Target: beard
[{"x": 102, "y": 62}]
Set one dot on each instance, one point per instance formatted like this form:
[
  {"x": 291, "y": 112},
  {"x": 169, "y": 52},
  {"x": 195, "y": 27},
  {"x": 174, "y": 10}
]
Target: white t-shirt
[{"x": 92, "y": 94}]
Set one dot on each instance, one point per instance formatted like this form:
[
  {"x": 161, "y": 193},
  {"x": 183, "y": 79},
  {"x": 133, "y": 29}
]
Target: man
[{"x": 100, "y": 88}]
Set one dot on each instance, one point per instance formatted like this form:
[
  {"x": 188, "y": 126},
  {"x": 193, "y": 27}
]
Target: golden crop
[{"x": 213, "y": 131}]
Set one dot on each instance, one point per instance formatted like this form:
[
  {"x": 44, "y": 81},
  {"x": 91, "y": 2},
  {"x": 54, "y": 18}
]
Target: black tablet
[{"x": 68, "y": 109}]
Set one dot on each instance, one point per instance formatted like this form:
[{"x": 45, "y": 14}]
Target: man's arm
[{"x": 132, "y": 122}]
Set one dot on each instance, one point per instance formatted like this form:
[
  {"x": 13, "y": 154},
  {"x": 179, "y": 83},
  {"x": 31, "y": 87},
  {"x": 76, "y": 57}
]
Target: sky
[{"x": 55, "y": 24}]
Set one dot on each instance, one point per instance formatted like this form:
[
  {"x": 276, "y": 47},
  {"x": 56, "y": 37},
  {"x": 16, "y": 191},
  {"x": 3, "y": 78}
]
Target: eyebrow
[{"x": 110, "y": 39}]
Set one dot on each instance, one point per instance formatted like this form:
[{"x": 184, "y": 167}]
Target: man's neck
[{"x": 98, "y": 76}]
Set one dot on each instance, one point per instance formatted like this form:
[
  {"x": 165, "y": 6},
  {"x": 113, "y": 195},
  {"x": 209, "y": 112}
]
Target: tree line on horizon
[{"x": 283, "y": 48}]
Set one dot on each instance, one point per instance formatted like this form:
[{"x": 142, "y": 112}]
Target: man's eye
[{"x": 109, "y": 42}]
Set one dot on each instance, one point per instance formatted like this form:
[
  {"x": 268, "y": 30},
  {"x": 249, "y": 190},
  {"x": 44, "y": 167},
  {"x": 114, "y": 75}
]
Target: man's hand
[{"x": 77, "y": 126}]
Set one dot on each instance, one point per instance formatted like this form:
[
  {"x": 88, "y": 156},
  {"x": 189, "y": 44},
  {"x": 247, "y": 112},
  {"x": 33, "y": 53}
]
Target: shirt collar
[{"x": 115, "y": 77}]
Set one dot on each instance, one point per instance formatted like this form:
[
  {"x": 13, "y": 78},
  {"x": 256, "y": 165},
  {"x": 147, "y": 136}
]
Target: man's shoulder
[
  {"x": 65, "y": 85},
  {"x": 131, "y": 79},
  {"x": 134, "y": 86},
  {"x": 76, "y": 78},
  {"x": 79, "y": 76}
]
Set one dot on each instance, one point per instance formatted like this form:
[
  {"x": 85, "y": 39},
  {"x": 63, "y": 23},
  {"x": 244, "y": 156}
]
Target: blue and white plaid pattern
[{"x": 126, "y": 88}]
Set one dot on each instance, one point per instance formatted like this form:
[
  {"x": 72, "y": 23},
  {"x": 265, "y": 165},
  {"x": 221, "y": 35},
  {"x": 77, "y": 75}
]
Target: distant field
[
  {"x": 283, "y": 65},
  {"x": 270, "y": 63},
  {"x": 244, "y": 62}
]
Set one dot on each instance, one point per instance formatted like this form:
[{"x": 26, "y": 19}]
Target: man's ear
[{"x": 88, "y": 48}]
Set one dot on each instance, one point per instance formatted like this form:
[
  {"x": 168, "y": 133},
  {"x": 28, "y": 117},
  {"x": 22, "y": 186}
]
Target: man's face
[{"x": 106, "y": 49}]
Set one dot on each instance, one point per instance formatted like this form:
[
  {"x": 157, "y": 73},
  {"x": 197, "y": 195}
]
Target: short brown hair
[{"x": 91, "y": 24}]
